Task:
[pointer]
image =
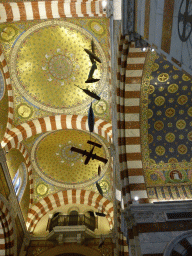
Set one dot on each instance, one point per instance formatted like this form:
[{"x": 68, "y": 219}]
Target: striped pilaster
[
  {"x": 7, "y": 243},
  {"x": 131, "y": 63},
  {"x": 122, "y": 241},
  {"x": 2, "y": 240},
  {"x": 89, "y": 198},
  {"x": 40, "y": 10},
  {"x": 9, "y": 89},
  {"x": 122, "y": 58},
  {"x": 52, "y": 123}
]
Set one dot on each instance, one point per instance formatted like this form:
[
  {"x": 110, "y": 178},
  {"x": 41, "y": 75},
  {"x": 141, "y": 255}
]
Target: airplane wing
[
  {"x": 92, "y": 55},
  {"x": 80, "y": 151},
  {"x": 104, "y": 160}
]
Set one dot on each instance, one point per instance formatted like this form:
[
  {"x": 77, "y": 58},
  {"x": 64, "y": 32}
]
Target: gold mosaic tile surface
[
  {"x": 48, "y": 59},
  {"x": 53, "y": 160},
  {"x": 44, "y": 186}
]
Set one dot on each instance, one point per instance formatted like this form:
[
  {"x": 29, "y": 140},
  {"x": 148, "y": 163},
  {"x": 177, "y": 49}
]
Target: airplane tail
[{"x": 94, "y": 144}]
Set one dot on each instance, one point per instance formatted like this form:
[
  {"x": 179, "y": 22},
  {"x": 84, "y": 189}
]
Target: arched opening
[
  {"x": 90, "y": 220},
  {"x": 20, "y": 181},
  {"x": 73, "y": 218}
]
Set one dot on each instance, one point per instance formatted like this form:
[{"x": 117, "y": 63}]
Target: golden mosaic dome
[
  {"x": 54, "y": 162},
  {"x": 48, "y": 61}
]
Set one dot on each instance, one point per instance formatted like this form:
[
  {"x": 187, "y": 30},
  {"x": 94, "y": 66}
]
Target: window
[{"x": 20, "y": 181}]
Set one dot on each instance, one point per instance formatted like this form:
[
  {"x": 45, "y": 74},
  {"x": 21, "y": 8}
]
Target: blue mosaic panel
[{"x": 169, "y": 114}]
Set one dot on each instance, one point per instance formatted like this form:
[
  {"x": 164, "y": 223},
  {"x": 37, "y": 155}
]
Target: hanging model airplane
[
  {"x": 92, "y": 54},
  {"x": 91, "y": 94},
  {"x": 93, "y": 58},
  {"x": 90, "y": 155}
]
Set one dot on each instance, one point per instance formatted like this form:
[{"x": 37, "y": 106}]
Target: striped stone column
[
  {"x": 122, "y": 240},
  {"x": 6, "y": 223},
  {"x": 130, "y": 69}
]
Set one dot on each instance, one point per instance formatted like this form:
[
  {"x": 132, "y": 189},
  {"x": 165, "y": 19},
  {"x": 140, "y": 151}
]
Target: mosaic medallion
[
  {"x": 182, "y": 149},
  {"x": 160, "y": 150},
  {"x": 56, "y": 164},
  {"x": 173, "y": 88},
  {"x": 159, "y": 101},
  {"x": 155, "y": 67},
  {"x": 189, "y": 111},
  {"x": 60, "y": 67},
  {"x": 51, "y": 54},
  {"x": 150, "y": 137},
  {"x": 159, "y": 125},
  {"x": 170, "y": 137},
  {"x": 150, "y": 113},
  {"x": 170, "y": 112},
  {"x": 151, "y": 89},
  {"x": 8, "y": 33},
  {"x": 181, "y": 124},
  {"x": 189, "y": 135},
  {"x": 182, "y": 99},
  {"x": 42, "y": 189},
  {"x": 104, "y": 186},
  {"x": 185, "y": 78},
  {"x": 24, "y": 110},
  {"x": 100, "y": 107},
  {"x": 97, "y": 28},
  {"x": 163, "y": 77}
]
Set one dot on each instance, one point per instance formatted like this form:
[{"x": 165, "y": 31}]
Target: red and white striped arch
[
  {"x": 9, "y": 89},
  {"x": 14, "y": 138},
  {"x": 52, "y": 123},
  {"x": 39, "y": 10},
  {"x": 7, "y": 242},
  {"x": 130, "y": 70},
  {"x": 85, "y": 197}
]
